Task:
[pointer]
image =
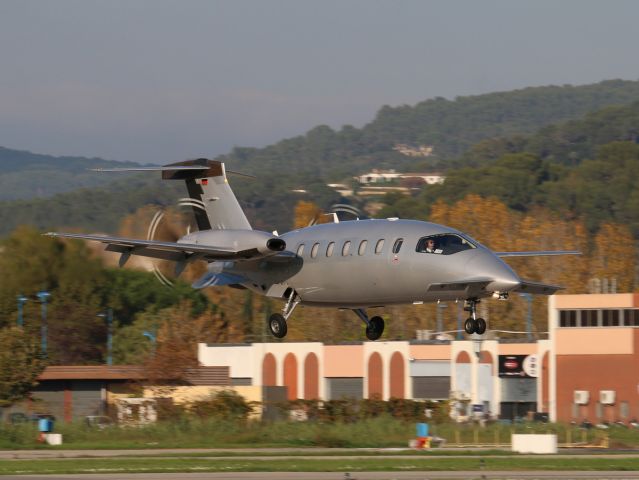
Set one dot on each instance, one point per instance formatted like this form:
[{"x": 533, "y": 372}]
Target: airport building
[{"x": 588, "y": 368}]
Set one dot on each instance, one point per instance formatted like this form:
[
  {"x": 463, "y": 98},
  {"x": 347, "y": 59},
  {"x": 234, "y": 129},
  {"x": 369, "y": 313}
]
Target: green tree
[{"x": 20, "y": 365}]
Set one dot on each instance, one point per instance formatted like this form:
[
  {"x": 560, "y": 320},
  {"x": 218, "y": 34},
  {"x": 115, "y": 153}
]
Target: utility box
[
  {"x": 53, "y": 438},
  {"x": 534, "y": 443}
]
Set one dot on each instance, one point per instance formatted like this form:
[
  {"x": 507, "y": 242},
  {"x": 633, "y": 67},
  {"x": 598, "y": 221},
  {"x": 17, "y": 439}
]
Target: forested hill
[
  {"x": 587, "y": 168},
  {"x": 25, "y": 175},
  {"x": 450, "y": 126}
]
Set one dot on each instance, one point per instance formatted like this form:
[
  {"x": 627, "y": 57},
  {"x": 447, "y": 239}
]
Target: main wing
[{"x": 177, "y": 252}]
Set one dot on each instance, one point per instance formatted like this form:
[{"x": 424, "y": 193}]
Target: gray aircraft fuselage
[{"x": 368, "y": 272}]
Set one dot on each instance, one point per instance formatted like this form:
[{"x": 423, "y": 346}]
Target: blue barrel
[
  {"x": 422, "y": 430},
  {"x": 45, "y": 425}
]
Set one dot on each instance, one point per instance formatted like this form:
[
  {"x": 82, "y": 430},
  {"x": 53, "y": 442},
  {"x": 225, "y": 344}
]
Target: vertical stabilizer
[{"x": 210, "y": 196}]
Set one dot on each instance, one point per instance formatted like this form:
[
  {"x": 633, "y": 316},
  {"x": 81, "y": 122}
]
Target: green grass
[
  {"x": 150, "y": 465},
  {"x": 382, "y": 432}
]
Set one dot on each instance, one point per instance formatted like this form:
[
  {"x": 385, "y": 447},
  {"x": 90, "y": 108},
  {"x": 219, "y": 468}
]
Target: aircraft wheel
[
  {"x": 480, "y": 326},
  {"x": 277, "y": 325},
  {"x": 469, "y": 326},
  {"x": 376, "y": 328}
]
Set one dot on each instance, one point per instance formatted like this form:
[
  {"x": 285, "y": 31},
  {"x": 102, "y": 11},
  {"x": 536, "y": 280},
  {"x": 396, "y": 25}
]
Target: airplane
[{"x": 354, "y": 265}]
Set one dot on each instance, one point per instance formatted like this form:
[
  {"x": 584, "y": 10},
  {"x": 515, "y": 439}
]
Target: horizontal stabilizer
[
  {"x": 537, "y": 288},
  {"x": 540, "y": 253}
]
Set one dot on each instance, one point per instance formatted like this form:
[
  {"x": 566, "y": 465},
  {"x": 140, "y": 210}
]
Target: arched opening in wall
[
  {"x": 545, "y": 392},
  {"x": 375, "y": 379},
  {"x": 311, "y": 377},
  {"x": 269, "y": 369},
  {"x": 462, "y": 357},
  {"x": 487, "y": 358},
  {"x": 397, "y": 375},
  {"x": 290, "y": 375}
]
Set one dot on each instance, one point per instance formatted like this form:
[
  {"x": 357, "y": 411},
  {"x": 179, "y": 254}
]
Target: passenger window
[
  {"x": 444, "y": 244},
  {"x": 314, "y": 250},
  {"x": 379, "y": 246},
  {"x": 362, "y": 247},
  {"x": 398, "y": 245},
  {"x": 346, "y": 247},
  {"x": 300, "y": 249},
  {"x": 329, "y": 249}
]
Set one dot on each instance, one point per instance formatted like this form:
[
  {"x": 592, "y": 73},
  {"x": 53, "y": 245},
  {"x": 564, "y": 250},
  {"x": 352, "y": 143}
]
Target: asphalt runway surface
[{"x": 485, "y": 475}]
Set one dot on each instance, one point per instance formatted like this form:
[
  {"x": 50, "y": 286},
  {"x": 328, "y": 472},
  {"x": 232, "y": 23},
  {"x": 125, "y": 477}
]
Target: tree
[{"x": 20, "y": 365}]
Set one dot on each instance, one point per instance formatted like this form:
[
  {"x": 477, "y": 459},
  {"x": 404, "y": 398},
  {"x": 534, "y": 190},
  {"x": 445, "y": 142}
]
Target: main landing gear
[
  {"x": 472, "y": 323},
  {"x": 374, "y": 326},
  {"x": 277, "y": 322}
]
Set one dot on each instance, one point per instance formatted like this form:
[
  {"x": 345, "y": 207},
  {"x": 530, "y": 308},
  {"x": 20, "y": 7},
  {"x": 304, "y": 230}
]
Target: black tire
[
  {"x": 277, "y": 325},
  {"x": 480, "y": 326},
  {"x": 470, "y": 326},
  {"x": 376, "y": 328}
]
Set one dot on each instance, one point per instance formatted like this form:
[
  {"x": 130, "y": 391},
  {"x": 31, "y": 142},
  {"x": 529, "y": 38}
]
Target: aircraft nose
[{"x": 487, "y": 265}]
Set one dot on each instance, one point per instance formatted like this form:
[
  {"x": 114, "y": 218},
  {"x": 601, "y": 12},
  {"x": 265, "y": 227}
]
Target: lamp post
[
  {"x": 529, "y": 298},
  {"x": 21, "y": 301},
  {"x": 43, "y": 296},
  {"x": 109, "y": 318}
]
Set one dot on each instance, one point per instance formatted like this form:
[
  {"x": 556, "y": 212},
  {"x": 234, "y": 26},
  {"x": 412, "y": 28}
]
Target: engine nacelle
[{"x": 237, "y": 240}]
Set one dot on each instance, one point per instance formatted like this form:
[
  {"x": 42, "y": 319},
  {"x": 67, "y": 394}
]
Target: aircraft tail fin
[{"x": 210, "y": 196}]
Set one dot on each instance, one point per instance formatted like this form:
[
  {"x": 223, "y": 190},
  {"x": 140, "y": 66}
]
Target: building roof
[{"x": 213, "y": 375}]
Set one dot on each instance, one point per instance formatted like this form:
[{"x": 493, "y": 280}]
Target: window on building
[
  {"x": 444, "y": 244},
  {"x": 346, "y": 248},
  {"x": 329, "y": 249},
  {"x": 567, "y": 318},
  {"x": 610, "y": 318},
  {"x": 624, "y": 410},
  {"x": 362, "y": 247},
  {"x": 300, "y": 249},
  {"x": 589, "y": 318},
  {"x": 631, "y": 317},
  {"x": 398, "y": 245},
  {"x": 314, "y": 250},
  {"x": 379, "y": 246}
]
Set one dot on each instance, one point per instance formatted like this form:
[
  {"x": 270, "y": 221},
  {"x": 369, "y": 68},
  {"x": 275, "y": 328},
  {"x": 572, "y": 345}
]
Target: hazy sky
[{"x": 160, "y": 81}]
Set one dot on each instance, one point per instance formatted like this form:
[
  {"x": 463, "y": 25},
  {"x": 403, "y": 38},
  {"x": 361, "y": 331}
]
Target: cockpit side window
[{"x": 443, "y": 244}]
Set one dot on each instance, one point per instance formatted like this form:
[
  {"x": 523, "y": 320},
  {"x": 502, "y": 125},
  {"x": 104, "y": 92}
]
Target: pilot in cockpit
[{"x": 430, "y": 246}]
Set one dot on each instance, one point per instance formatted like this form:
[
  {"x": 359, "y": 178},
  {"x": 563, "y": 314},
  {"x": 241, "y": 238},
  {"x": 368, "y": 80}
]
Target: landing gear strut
[
  {"x": 472, "y": 323},
  {"x": 374, "y": 326},
  {"x": 277, "y": 322}
]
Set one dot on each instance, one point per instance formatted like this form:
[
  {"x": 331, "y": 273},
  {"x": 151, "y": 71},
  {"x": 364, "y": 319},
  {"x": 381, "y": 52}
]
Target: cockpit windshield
[{"x": 443, "y": 244}]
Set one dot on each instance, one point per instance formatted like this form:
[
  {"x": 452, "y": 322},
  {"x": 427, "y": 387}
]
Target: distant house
[{"x": 383, "y": 176}]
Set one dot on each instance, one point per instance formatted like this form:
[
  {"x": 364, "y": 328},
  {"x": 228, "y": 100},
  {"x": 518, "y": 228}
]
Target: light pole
[
  {"x": 43, "y": 296},
  {"x": 529, "y": 298},
  {"x": 109, "y": 318},
  {"x": 21, "y": 301}
]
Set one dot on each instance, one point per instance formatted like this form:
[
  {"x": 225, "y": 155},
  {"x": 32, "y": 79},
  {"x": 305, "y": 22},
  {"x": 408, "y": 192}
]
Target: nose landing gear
[
  {"x": 472, "y": 323},
  {"x": 277, "y": 323}
]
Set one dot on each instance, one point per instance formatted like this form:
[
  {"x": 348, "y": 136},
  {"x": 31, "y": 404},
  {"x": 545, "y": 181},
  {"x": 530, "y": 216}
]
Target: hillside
[
  {"x": 45, "y": 192},
  {"x": 587, "y": 168},
  {"x": 25, "y": 175},
  {"x": 450, "y": 126}
]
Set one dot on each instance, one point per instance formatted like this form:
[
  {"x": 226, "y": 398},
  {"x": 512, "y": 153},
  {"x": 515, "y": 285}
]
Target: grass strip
[{"x": 158, "y": 465}]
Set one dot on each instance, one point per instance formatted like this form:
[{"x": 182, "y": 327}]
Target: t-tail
[{"x": 210, "y": 196}]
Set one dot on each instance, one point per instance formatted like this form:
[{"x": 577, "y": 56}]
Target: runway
[{"x": 467, "y": 475}]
